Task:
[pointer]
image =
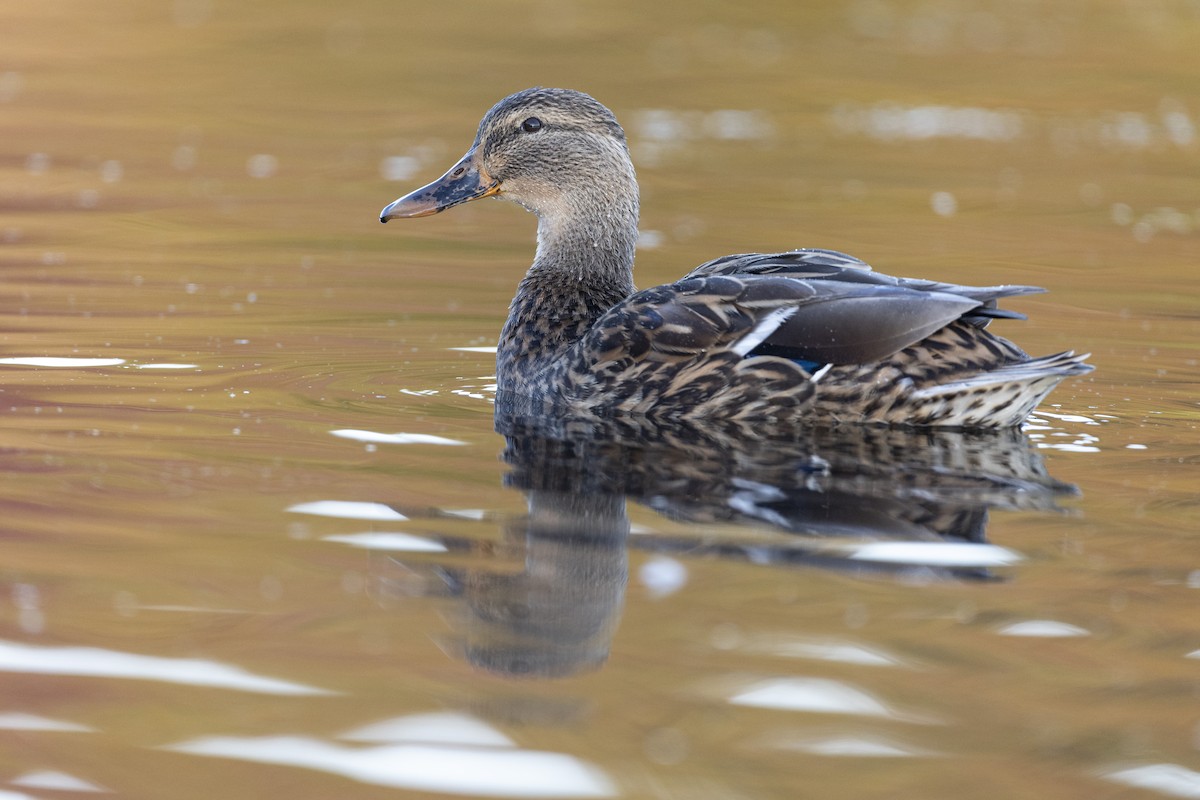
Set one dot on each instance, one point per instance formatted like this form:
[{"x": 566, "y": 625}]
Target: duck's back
[{"x": 809, "y": 336}]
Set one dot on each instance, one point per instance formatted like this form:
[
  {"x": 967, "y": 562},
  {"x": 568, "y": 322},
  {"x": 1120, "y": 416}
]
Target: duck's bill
[{"x": 464, "y": 182}]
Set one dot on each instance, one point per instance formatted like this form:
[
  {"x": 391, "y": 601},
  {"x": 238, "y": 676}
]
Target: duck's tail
[{"x": 1000, "y": 397}]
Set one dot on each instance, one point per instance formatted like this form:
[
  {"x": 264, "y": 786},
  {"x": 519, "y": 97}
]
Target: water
[{"x": 260, "y": 530}]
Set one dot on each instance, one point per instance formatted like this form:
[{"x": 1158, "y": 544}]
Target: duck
[{"x": 808, "y": 336}]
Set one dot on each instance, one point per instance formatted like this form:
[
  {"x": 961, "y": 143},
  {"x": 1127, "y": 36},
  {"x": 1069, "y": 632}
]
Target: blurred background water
[{"x": 261, "y": 537}]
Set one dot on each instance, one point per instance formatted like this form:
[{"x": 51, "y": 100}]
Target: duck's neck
[{"x": 583, "y": 267}]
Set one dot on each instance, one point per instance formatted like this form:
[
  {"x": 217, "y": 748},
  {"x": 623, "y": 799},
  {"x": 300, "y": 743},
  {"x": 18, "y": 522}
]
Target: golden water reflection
[
  {"x": 546, "y": 600},
  {"x": 207, "y": 331}
]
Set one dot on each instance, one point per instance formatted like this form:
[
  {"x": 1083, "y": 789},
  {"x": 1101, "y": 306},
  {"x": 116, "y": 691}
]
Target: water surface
[{"x": 260, "y": 528}]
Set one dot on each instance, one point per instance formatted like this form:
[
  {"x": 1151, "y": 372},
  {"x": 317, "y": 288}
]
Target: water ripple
[
  {"x": 453, "y": 769},
  {"x": 96, "y": 662}
]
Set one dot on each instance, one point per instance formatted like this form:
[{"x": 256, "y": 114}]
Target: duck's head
[{"x": 557, "y": 152}]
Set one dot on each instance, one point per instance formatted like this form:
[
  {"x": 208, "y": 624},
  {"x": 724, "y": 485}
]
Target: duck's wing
[
  {"x": 679, "y": 321},
  {"x": 809, "y": 261},
  {"x": 830, "y": 265},
  {"x": 812, "y": 320}
]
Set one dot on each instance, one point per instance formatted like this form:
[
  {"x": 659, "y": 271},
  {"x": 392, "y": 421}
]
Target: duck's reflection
[
  {"x": 557, "y": 612},
  {"x": 552, "y": 606}
]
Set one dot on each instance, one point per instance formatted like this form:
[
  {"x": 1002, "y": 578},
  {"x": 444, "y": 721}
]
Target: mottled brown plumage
[{"x": 803, "y": 336}]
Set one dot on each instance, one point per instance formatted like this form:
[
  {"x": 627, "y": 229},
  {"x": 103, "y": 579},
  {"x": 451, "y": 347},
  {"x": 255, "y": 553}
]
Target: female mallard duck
[{"x": 809, "y": 335}]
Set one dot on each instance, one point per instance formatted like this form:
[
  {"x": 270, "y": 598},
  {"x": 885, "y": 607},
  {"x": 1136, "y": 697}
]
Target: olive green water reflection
[{"x": 225, "y": 574}]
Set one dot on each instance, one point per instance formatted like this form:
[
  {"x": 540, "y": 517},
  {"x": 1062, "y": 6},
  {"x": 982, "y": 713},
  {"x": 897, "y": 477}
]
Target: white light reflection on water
[
  {"x": 1080, "y": 418},
  {"x": 935, "y": 554},
  {"x": 465, "y": 513},
  {"x": 446, "y": 727},
  {"x": 1169, "y": 779},
  {"x": 262, "y": 165},
  {"x": 398, "y": 168},
  {"x": 111, "y": 171},
  {"x": 788, "y": 646},
  {"x": 1160, "y": 219},
  {"x": 474, "y": 395},
  {"x": 818, "y": 696},
  {"x": 1048, "y": 437},
  {"x": 855, "y": 747},
  {"x": 15, "y": 796},
  {"x": 381, "y": 540},
  {"x": 1082, "y": 446},
  {"x": 61, "y": 363},
  {"x": 394, "y": 438},
  {"x": 127, "y": 605},
  {"x": 660, "y": 130},
  {"x": 888, "y": 121},
  {"x": 1042, "y": 628},
  {"x": 664, "y": 125},
  {"x": 349, "y": 509},
  {"x": 166, "y": 366},
  {"x": 944, "y": 204},
  {"x": 650, "y": 240},
  {"x": 892, "y": 122},
  {"x": 94, "y": 662},
  {"x": 55, "y": 781},
  {"x": 37, "y": 163},
  {"x": 11, "y": 83},
  {"x": 19, "y": 721},
  {"x": 662, "y": 576},
  {"x": 446, "y": 768}
]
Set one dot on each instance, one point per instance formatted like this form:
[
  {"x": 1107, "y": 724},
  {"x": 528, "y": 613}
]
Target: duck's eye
[{"x": 531, "y": 125}]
